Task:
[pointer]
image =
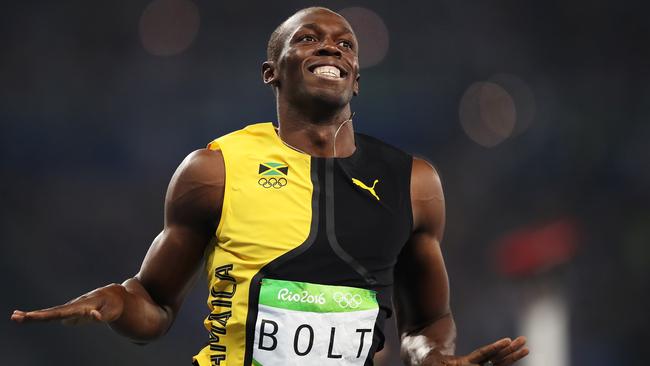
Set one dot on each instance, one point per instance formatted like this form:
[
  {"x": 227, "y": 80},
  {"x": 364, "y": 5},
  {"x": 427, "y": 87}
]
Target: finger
[
  {"x": 18, "y": 316},
  {"x": 514, "y": 346},
  {"x": 43, "y": 314},
  {"x": 79, "y": 320},
  {"x": 513, "y": 357},
  {"x": 485, "y": 352},
  {"x": 85, "y": 316},
  {"x": 53, "y": 313},
  {"x": 69, "y": 310}
]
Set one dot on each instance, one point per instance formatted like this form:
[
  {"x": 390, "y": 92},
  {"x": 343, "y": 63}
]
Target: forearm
[
  {"x": 433, "y": 341},
  {"x": 142, "y": 319}
]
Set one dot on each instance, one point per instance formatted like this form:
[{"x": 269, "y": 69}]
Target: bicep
[
  {"x": 422, "y": 286},
  {"x": 192, "y": 207}
]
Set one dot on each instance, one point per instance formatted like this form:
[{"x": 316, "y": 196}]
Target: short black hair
[{"x": 276, "y": 41}]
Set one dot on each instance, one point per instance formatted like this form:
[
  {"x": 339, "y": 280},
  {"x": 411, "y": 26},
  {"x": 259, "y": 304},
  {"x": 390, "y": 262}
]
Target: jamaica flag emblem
[
  {"x": 273, "y": 175},
  {"x": 272, "y": 168}
]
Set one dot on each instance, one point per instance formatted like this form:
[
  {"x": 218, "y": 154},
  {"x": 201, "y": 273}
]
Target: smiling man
[{"x": 308, "y": 231}]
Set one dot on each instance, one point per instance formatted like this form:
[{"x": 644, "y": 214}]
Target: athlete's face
[{"x": 319, "y": 60}]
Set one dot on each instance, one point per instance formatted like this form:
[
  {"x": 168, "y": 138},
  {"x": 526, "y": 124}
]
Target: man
[{"x": 309, "y": 232}]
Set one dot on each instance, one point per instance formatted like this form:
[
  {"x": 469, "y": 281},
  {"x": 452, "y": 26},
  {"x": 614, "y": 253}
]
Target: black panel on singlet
[{"x": 358, "y": 237}]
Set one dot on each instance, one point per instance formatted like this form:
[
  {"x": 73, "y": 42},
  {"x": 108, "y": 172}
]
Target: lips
[{"x": 328, "y": 71}]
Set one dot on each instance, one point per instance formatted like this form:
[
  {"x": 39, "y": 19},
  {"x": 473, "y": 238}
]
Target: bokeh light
[
  {"x": 487, "y": 113},
  {"x": 168, "y": 27},
  {"x": 371, "y": 33},
  {"x": 523, "y": 97}
]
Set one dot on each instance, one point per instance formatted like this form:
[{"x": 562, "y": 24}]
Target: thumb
[
  {"x": 96, "y": 315},
  {"x": 83, "y": 316}
]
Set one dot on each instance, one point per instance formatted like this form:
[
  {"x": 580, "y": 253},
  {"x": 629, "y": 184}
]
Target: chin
[
  {"x": 319, "y": 97},
  {"x": 332, "y": 100},
  {"x": 329, "y": 97}
]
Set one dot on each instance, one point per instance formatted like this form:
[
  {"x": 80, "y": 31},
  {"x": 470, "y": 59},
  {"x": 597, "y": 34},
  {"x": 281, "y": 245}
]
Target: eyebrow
[{"x": 317, "y": 27}]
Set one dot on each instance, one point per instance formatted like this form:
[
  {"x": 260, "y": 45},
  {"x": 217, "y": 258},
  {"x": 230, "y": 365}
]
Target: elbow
[
  {"x": 138, "y": 338},
  {"x": 139, "y": 342},
  {"x": 143, "y": 338},
  {"x": 142, "y": 335}
]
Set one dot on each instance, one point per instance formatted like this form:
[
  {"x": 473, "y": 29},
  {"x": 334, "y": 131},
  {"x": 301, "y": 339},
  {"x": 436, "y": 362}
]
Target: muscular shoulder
[
  {"x": 202, "y": 166},
  {"x": 425, "y": 181},
  {"x": 427, "y": 198},
  {"x": 196, "y": 189}
]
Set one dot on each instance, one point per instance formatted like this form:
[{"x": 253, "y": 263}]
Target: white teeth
[{"x": 328, "y": 71}]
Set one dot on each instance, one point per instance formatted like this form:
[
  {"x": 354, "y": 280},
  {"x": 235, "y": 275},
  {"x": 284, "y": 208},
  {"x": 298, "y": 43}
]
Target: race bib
[{"x": 302, "y": 323}]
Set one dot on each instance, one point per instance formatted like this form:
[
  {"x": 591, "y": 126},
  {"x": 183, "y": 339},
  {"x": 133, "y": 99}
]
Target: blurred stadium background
[{"x": 535, "y": 114}]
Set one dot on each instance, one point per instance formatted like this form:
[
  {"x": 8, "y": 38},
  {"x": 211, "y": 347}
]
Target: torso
[{"x": 316, "y": 222}]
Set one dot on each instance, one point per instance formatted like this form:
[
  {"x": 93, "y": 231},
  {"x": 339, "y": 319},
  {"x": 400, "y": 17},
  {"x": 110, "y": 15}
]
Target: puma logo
[{"x": 369, "y": 189}]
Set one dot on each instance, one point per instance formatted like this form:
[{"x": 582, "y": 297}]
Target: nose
[{"x": 328, "y": 48}]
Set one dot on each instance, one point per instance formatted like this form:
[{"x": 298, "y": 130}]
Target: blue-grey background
[{"x": 93, "y": 124}]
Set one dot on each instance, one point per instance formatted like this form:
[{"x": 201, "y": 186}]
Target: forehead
[{"x": 317, "y": 19}]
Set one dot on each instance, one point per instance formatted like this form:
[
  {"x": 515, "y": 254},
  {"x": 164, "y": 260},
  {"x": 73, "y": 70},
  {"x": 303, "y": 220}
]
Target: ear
[
  {"x": 269, "y": 74},
  {"x": 355, "y": 87}
]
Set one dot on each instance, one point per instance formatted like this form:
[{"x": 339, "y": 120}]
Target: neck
[{"x": 316, "y": 133}]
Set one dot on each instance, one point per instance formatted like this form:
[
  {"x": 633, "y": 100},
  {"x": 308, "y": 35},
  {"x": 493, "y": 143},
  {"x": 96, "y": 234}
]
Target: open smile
[{"x": 328, "y": 71}]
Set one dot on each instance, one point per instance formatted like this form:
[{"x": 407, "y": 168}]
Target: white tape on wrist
[{"x": 416, "y": 347}]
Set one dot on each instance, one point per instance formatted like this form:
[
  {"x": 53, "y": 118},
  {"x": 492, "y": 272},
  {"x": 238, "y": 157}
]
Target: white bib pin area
[{"x": 300, "y": 323}]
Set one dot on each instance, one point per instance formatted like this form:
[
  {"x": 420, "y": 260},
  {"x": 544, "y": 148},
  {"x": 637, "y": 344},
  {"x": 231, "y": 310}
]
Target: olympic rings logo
[
  {"x": 347, "y": 300},
  {"x": 272, "y": 182}
]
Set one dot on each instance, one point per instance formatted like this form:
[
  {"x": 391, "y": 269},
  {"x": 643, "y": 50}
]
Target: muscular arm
[
  {"x": 144, "y": 307},
  {"x": 192, "y": 210},
  {"x": 422, "y": 287},
  {"x": 424, "y": 317}
]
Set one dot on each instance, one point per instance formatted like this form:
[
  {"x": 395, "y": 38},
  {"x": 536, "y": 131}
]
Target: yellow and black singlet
[{"x": 301, "y": 268}]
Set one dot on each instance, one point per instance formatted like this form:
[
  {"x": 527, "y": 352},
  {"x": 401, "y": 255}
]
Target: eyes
[
  {"x": 308, "y": 38},
  {"x": 346, "y": 44}
]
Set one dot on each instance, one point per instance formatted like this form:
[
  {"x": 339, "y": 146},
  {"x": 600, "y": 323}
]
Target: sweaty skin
[{"x": 310, "y": 110}]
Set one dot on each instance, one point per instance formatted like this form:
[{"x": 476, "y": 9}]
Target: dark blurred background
[{"x": 535, "y": 114}]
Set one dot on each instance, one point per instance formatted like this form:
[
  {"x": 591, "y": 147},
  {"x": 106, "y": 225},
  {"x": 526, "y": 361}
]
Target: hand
[
  {"x": 104, "y": 304},
  {"x": 503, "y": 352}
]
